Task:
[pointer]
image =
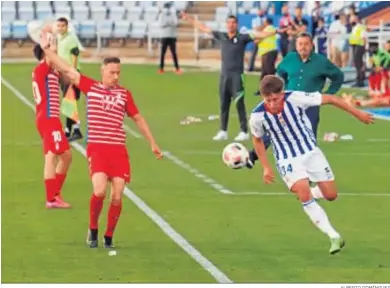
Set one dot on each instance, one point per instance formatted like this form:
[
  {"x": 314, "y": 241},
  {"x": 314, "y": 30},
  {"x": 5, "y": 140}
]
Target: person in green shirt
[
  {"x": 307, "y": 71},
  {"x": 68, "y": 49}
]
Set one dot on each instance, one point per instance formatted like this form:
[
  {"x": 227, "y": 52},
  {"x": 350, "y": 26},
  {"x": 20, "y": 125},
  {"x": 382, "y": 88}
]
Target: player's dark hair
[
  {"x": 232, "y": 17},
  {"x": 38, "y": 52},
  {"x": 305, "y": 35},
  {"x": 63, "y": 20},
  {"x": 271, "y": 84},
  {"x": 110, "y": 60}
]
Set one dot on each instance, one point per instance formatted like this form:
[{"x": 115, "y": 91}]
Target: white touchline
[
  {"x": 204, "y": 178},
  {"x": 291, "y": 194},
  {"x": 217, "y": 274}
]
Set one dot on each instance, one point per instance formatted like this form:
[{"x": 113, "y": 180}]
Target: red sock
[
  {"x": 51, "y": 187},
  {"x": 113, "y": 216},
  {"x": 60, "y": 182},
  {"x": 95, "y": 207}
]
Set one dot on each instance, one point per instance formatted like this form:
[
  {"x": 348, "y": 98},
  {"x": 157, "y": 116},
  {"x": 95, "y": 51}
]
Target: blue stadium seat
[
  {"x": 95, "y": 3},
  {"x": 117, "y": 13},
  {"x": 44, "y": 13},
  {"x": 87, "y": 29},
  {"x": 121, "y": 29},
  {"x": 150, "y": 14},
  {"x": 129, "y": 4},
  {"x": 98, "y": 13},
  {"x": 80, "y": 13},
  {"x": 8, "y": 14},
  {"x": 145, "y": 4},
  {"x": 5, "y": 30},
  {"x": 105, "y": 28},
  {"x": 111, "y": 4},
  {"x": 154, "y": 30},
  {"x": 138, "y": 29},
  {"x": 26, "y": 13},
  {"x": 8, "y": 4},
  {"x": 63, "y": 11},
  {"x": 60, "y": 4},
  {"x": 42, "y": 4},
  {"x": 221, "y": 13},
  {"x": 134, "y": 14},
  {"x": 19, "y": 30}
]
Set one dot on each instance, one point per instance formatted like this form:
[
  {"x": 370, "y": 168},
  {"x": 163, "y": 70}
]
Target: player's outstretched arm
[
  {"x": 145, "y": 130},
  {"x": 196, "y": 23},
  {"x": 58, "y": 62},
  {"x": 362, "y": 116},
  {"x": 268, "y": 174}
]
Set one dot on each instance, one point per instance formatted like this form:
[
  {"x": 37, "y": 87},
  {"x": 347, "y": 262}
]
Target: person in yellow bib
[
  {"x": 357, "y": 40},
  {"x": 267, "y": 49},
  {"x": 68, "y": 49}
]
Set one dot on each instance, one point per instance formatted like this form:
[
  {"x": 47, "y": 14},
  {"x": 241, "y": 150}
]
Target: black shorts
[{"x": 64, "y": 88}]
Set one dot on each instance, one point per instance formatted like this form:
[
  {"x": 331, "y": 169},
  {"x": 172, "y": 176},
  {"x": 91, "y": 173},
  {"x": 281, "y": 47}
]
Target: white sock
[
  {"x": 319, "y": 218},
  {"x": 316, "y": 192}
]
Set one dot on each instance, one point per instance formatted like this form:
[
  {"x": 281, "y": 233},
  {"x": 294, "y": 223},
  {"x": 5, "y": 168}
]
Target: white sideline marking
[
  {"x": 206, "y": 264},
  {"x": 291, "y": 194},
  {"x": 204, "y": 178},
  {"x": 210, "y": 152}
]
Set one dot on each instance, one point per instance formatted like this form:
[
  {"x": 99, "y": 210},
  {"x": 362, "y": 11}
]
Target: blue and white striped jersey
[{"x": 290, "y": 131}]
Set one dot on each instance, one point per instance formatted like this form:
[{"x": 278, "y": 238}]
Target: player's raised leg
[
  {"x": 316, "y": 214},
  {"x": 64, "y": 161},
  {"x": 114, "y": 211},
  {"x": 99, "y": 182}
]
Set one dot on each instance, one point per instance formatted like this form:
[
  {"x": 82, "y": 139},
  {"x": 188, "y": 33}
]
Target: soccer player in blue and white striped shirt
[{"x": 298, "y": 158}]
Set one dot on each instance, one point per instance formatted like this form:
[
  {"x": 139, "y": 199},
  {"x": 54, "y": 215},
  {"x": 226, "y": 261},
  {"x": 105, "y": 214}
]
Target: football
[{"x": 235, "y": 155}]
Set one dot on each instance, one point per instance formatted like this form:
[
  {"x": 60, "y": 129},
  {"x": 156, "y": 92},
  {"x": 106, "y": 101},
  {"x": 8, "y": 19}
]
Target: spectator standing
[
  {"x": 321, "y": 36},
  {"x": 316, "y": 16},
  {"x": 268, "y": 50},
  {"x": 357, "y": 40},
  {"x": 285, "y": 25},
  {"x": 299, "y": 26},
  {"x": 339, "y": 41},
  {"x": 168, "y": 23},
  {"x": 257, "y": 25}
]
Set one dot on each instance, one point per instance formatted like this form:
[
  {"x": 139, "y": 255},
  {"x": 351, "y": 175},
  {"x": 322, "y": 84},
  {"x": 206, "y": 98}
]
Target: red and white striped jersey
[
  {"x": 46, "y": 91},
  {"x": 106, "y": 108}
]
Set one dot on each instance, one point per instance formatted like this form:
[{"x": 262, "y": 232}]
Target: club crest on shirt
[
  {"x": 281, "y": 120},
  {"x": 110, "y": 101}
]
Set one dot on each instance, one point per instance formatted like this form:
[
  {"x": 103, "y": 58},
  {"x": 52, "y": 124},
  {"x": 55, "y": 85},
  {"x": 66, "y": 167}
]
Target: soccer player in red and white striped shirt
[
  {"x": 57, "y": 153},
  {"x": 107, "y": 104}
]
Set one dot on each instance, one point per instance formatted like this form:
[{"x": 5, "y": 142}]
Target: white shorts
[{"x": 313, "y": 166}]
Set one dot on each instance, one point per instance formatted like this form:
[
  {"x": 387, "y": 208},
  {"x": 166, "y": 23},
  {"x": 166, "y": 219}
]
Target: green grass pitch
[{"x": 250, "y": 238}]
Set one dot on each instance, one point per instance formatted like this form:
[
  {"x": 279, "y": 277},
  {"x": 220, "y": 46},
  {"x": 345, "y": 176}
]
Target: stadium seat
[
  {"x": 76, "y": 26},
  {"x": 42, "y": 4},
  {"x": 117, "y": 13},
  {"x": 25, "y": 4},
  {"x": 214, "y": 26},
  {"x": 8, "y": 14},
  {"x": 105, "y": 28},
  {"x": 63, "y": 11},
  {"x": 253, "y": 11},
  {"x": 26, "y": 13},
  {"x": 247, "y": 5},
  {"x": 129, "y": 4},
  {"x": 221, "y": 14},
  {"x": 98, "y": 13},
  {"x": 8, "y": 4},
  {"x": 150, "y": 14},
  {"x": 154, "y": 30},
  {"x": 19, "y": 30},
  {"x": 44, "y": 13},
  {"x": 77, "y": 4},
  {"x": 138, "y": 29},
  {"x": 87, "y": 30},
  {"x": 121, "y": 29},
  {"x": 5, "y": 30},
  {"x": 95, "y": 3},
  {"x": 134, "y": 14},
  {"x": 81, "y": 13},
  {"x": 60, "y": 4},
  {"x": 180, "y": 5},
  {"x": 110, "y": 4},
  {"x": 160, "y": 4},
  {"x": 146, "y": 4}
]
